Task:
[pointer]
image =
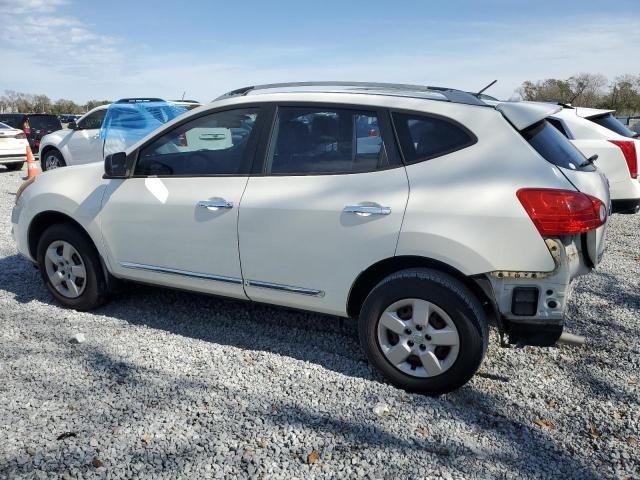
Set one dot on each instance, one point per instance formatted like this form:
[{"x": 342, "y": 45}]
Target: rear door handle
[
  {"x": 367, "y": 210},
  {"x": 214, "y": 204}
]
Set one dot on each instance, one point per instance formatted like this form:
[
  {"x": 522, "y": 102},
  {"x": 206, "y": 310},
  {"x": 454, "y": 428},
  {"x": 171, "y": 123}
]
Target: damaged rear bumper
[{"x": 531, "y": 305}]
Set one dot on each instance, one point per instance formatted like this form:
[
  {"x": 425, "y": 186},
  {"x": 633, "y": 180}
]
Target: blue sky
[{"x": 110, "y": 49}]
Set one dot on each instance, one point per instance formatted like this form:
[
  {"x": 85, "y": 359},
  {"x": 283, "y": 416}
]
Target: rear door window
[
  {"x": 554, "y": 147},
  {"x": 45, "y": 122},
  {"x": 424, "y": 137},
  {"x": 613, "y": 124},
  {"x": 317, "y": 140}
]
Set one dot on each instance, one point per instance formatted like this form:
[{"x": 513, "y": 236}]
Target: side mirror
[
  {"x": 72, "y": 125},
  {"x": 115, "y": 165}
]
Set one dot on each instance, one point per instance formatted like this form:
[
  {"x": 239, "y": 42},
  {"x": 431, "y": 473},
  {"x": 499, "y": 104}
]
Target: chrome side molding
[
  {"x": 184, "y": 273},
  {"x": 219, "y": 278},
  {"x": 284, "y": 288}
]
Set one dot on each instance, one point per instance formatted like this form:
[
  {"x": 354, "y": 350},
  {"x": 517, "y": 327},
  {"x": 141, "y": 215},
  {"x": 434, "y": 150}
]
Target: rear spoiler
[
  {"x": 591, "y": 112},
  {"x": 524, "y": 114}
]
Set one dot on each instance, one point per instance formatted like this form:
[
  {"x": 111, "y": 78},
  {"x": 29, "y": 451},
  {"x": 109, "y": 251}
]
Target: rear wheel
[
  {"x": 424, "y": 330},
  {"x": 52, "y": 159},
  {"x": 70, "y": 267},
  {"x": 14, "y": 166}
]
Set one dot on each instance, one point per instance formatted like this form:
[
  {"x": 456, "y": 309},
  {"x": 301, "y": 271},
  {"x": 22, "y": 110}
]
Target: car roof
[{"x": 363, "y": 88}]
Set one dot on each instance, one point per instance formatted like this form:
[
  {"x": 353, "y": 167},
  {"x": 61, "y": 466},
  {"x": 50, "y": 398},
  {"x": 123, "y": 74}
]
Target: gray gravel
[{"x": 167, "y": 384}]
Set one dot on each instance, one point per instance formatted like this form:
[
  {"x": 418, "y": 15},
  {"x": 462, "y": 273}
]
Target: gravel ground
[{"x": 168, "y": 384}]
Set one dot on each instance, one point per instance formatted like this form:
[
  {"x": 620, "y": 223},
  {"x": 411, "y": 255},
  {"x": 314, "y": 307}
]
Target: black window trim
[
  {"x": 254, "y": 147},
  {"x": 419, "y": 113},
  {"x": 566, "y": 131},
  {"x": 386, "y": 131}
]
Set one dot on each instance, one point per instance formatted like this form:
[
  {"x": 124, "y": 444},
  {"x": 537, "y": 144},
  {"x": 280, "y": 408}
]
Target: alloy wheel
[
  {"x": 418, "y": 338},
  {"x": 65, "y": 269}
]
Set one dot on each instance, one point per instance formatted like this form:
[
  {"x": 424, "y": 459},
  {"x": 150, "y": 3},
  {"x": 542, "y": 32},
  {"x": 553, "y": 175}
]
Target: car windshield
[
  {"x": 126, "y": 123},
  {"x": 44, "y": 122},
  {"x": 615, "y": 125}
]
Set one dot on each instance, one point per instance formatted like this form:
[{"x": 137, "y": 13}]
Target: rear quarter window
[
  {"x": 554, "y": 147},
  {"x": 423, "y": 137}
]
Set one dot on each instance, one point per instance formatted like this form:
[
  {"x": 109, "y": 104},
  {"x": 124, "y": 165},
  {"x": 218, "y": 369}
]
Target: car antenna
[
  {"x": 487, "y": 87},
  {"x": 183, "y": 94}
]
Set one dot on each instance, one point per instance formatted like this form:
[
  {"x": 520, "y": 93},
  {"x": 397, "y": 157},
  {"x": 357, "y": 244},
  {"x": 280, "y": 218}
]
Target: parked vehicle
[
  {"x": 599, "y": 135},
  {"x": 13, "y": 147},
  {"x": 452, "y": 213},
  {"x": 188, "y": 104},
  {"x": 34, "y": 125},
  {"x": 86, "y": 141}
]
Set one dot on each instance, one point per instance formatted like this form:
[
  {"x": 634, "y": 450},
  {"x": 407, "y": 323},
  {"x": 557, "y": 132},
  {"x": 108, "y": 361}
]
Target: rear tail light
[
  {"x": 562, "y": 212},
  {"x": 628, "y": 148},
  {"x": 372, "y": 133},
  {"x": 26, "y": 130},
  {"x": 21, "y": 135}
]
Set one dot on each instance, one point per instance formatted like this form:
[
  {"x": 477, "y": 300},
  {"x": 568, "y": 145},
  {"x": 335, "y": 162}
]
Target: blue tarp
[{"x": 127, "y": 121}]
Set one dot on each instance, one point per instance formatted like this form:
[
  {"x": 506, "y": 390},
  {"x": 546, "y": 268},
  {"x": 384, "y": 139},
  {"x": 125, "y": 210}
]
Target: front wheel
[
  {"x": 70, "y": 267},
  {"x": 52, "y": 159},
  {"x": 424, "y": 330}
]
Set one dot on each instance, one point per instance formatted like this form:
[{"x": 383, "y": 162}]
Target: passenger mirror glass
[
  {"x": 115, "y": 165},
  {"x": 72, "y": 126}
]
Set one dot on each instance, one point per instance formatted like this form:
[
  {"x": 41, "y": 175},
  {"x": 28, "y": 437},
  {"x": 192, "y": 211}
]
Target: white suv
[
  {"x": 599, "y": 135},
  {"x": 423, "y": 212},
  {"x": 79, "y": 143}
]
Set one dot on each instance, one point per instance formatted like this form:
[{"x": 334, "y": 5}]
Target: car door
[
  {"x": 84, "y": 144},
  {"x": 174, "y": 222},
  {"x": 329, "y": 204}
]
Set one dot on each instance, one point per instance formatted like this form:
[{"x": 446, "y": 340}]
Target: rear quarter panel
[{"x": 463, "y": 208}]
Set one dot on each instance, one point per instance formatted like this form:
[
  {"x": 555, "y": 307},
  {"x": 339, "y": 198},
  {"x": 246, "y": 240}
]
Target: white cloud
[{"x": 63, "y": 57}]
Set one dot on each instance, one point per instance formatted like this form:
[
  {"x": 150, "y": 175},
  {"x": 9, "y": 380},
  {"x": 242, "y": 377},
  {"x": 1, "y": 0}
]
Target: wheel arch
[
  {"x": 44, "y": 220},
  {"x": 370, "y": 277},
  {"x": 48, "y": 148}
]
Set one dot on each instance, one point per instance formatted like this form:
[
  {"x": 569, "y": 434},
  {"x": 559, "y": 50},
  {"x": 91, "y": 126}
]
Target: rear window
[
  {"x": 555, "y": 148},
  {"x": 425, "y": 137},
  {"x": 12, "y": 120},
  {"x": 44, "y": 122},
  {"x": 612, "y": 123}
]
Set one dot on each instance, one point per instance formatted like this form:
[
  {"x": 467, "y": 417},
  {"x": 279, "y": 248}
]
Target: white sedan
[{"x": 13, "y": 147}]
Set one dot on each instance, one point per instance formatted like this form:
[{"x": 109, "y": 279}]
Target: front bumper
[
  {"x": 547, "y": 294},
  {"x": 12, "y": 158}
]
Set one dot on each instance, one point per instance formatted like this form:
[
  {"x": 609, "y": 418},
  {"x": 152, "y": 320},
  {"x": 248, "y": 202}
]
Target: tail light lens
[
  {"x": 628, "y": 148},
  {"x": 21, "y": 135},
  {"x": 562, "y": 212}
]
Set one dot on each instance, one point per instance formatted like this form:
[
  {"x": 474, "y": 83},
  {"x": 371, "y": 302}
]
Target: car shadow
[{"x": 328, "y": 341}]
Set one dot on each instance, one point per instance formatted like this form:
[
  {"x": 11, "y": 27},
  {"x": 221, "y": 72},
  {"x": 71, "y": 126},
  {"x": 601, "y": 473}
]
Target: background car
[
  {"x": 598, "y": 132},
  {"x": 13, "y": 147},
  {"x": 104, "y": 129},
  {"x": 34, "y": 125}
]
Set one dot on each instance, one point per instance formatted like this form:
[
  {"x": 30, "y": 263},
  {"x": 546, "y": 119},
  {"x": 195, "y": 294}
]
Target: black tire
[
  {"x": 95, "y": 289},
  {"x": 59, "y": 160},
  {"x": 452, "y": 296},
  {"x": 14, "y": 166}
]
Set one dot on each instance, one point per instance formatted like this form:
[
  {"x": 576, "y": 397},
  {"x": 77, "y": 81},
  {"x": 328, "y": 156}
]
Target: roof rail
[
  {"x": 138, "y": 100},
  {"x": 452, "y": 95}
]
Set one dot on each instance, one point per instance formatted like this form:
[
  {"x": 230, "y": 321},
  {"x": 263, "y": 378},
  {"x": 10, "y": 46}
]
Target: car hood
[{"x": 55, "y": 137}]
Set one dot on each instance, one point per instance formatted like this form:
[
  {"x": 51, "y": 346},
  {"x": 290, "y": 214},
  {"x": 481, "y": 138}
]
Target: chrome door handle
[
  {"x": 367, "y": 210},
  {"x": 214, "y": 204}
]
